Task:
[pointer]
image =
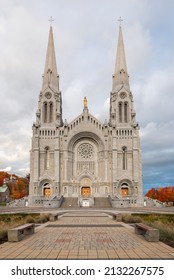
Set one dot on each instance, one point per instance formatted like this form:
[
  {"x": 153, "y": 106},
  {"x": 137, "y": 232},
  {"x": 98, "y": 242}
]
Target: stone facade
[{"x": 86, "y": 158}]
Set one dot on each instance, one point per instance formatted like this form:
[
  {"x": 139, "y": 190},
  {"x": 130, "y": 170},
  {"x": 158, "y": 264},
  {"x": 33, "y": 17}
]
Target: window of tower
[
  {"x": 125, "y": 112},
  {"x": 51, "y": 112},
  {"x": 47, "y": 158},
  {"x": 120, "y": 111},
  {"x": 124, "y": 151},
  {"x": 45, "y": 109}
]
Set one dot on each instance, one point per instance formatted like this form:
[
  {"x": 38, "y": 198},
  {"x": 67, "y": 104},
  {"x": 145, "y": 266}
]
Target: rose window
[{"x": 86, "y": 151}]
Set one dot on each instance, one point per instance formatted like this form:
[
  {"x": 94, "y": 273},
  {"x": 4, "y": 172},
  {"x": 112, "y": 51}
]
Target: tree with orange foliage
[
  {"x": 162, "y": 194},
  {"x": 152, "y": 193},
  {"x": 18, "y": 186},
  {"x": 3, "y": 175},
  {"x": 1, "y": 181}
]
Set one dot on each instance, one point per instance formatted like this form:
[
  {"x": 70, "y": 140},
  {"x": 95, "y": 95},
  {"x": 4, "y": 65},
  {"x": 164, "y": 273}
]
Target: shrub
[
  {"x": 3, "y": 234},
  {"x": 43, "y": 218},
  {"x": 7, "y": 219},
  {"x": 128, "y": 219},
  {"x": 166, "y": 232},
  {"x": 30, "y": 219}
]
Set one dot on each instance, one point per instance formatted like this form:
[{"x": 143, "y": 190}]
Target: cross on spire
[
  {"x": 120, "y": 20},
  {"x": 51, "y": 20}
]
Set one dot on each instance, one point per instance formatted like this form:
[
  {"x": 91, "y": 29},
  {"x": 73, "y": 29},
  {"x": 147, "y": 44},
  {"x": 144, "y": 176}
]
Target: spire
[
  {"x": 50, "y": 76},
  {"x": 120, "y": 76}
]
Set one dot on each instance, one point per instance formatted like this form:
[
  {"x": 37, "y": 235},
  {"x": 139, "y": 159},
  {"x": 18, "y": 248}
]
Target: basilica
[{"x": 85, "y": 159}]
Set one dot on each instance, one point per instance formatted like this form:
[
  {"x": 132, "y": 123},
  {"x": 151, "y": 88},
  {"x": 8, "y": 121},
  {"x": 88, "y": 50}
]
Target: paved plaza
[{"x": 85, "y": 235}]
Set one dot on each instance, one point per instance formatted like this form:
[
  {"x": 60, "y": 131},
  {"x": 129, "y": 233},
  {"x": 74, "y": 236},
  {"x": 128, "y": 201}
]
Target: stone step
[
  {"x": 69, "y": 202},
  {"x": 101, "y": 202}
]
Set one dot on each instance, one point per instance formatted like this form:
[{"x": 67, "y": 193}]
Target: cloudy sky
[{"x": 85, "y": 35}]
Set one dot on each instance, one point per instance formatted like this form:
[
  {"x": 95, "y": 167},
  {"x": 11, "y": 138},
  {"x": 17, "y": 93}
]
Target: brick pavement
[{"x": 85, "y": 235}]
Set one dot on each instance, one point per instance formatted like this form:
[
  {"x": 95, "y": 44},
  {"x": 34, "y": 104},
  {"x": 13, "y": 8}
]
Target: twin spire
[
  {"x": 51, "y": 78},
  {"x": 120, "y": 77}
]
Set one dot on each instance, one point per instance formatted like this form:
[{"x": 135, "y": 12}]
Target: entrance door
[
  {"x": 47, "y": 192},
  {"x": 124, "y": 191},
  {"x": 85, "y": 191}
]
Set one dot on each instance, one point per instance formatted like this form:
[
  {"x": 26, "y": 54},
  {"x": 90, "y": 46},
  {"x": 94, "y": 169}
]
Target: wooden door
[
  {"x": 47, "y": 192},
  {"x": 124, "y": 191},
  {"x": 85, "y": 191}
]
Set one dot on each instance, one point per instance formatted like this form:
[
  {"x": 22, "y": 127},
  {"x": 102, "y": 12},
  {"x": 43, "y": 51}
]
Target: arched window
[
  {"x": 51, "y": 112},
  {"x": 124, "y": 151},
  {"x": 47, "y": 158},
  {"x": 120, "y": 111},
  {"x": 125, "y": 112},
  {"x": 45, "y": 109}
]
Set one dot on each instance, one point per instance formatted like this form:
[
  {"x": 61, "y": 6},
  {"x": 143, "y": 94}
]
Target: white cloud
[
  {"x": 154, "y": 96},
  {"x": 158, "y": 136},
  {"x": 139, "y": 52},
  {"x": 6, "y": 169},
  {"x": 73, "y": 98}
]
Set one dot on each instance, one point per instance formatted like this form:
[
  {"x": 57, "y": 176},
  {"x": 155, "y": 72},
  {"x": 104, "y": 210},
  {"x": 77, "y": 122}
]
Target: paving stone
[{"x": 98, "y": 237}]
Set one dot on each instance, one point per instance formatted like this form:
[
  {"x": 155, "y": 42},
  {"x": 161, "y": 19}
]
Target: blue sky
[{"x": 85, "y": 34}]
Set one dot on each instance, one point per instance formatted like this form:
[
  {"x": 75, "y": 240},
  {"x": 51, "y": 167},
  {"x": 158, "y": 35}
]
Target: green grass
[
  {"x": 2, "y": 203},
  {"x": 163, "y": 222},
  {"x": 164, "y": 218}
]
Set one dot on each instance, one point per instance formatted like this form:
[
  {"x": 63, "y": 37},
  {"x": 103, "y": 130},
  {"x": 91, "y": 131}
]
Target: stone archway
[
  {"x": 84, "y": 158},
  {"x": 124, "y": 189},
  {"x": 47, "y": 190}
]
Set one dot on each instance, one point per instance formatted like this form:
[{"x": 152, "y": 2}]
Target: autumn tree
[
  {"x": 18, "y": 186},
  {"x": 3, "y": 175},
  {"x": 165, "y": 194}
]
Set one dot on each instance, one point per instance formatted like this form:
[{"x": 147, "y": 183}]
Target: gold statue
[{"x": 85, "y": 102}]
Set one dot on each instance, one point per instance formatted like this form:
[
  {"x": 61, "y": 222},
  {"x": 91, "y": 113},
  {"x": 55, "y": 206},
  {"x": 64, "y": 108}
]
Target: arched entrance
[
  {"x": 47, "y": 190},
  {"x": 86, "y": 186},
  {"x": 124, "y": 189},
  {"x": 85, "y": 191}
]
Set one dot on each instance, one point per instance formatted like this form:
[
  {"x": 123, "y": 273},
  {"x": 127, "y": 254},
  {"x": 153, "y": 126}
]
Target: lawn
[{"x": 163, "y": 222}]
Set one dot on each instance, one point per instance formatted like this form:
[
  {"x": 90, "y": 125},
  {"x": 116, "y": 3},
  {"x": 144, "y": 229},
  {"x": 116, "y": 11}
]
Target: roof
[{"x": 3, "y": 189}]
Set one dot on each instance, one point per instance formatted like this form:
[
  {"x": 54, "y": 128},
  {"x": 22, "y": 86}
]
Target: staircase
[
  {"x": 101, "y": 202},
  {"x": 69, "y": 202}
]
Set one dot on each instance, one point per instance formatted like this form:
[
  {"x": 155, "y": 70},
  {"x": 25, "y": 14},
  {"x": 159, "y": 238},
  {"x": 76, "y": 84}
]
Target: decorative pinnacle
[
  {"x": 51, "y": 20},
  {"x": 120, "y": 20}
]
